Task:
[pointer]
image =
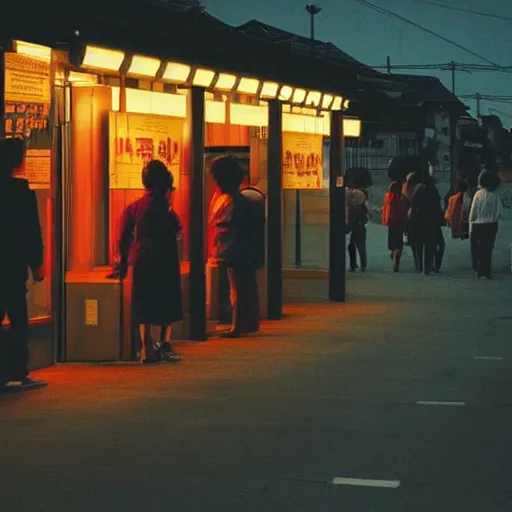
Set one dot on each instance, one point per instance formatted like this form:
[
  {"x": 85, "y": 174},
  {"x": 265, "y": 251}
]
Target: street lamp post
[{"x": 313, "y": 10}]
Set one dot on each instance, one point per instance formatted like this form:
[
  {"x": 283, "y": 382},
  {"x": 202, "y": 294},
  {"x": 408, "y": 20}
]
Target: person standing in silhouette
[
  {"x": 22, "y": 249},
  {"x": 358, "y": 212},
  {"x": 425, "y": 219},
  {"x": 149, "y": 242},
  {"x": 238, "y": 221}
]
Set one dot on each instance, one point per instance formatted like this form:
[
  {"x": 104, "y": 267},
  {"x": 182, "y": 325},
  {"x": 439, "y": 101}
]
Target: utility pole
[
  {"x": 453, "y": 135},
  {"x": 453, "y": 68},
  {"x": 478, "y": 97}
]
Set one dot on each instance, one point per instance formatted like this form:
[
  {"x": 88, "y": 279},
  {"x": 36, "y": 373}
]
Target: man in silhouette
[{"x": 22, "y": 248}]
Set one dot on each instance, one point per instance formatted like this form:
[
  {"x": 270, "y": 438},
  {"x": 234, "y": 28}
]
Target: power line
[
  {"x": 487, "y": 97},
  {"x": 467, "y": 11},
  {"x": 381, "y": 10},
  {"x": 448, "y": 66}
]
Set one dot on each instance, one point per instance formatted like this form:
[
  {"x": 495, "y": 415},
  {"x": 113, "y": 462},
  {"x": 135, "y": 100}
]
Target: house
[
  {"x": 428, "y": 110},
  {"x": 415, "y": 107},
  {"x": 302, "y": 45}
]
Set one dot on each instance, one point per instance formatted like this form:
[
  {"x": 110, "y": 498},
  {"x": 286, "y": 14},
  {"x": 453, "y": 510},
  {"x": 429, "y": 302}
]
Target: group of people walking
[{"x": 414, "y": 215}]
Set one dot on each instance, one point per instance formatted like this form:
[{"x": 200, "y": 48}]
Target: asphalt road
[{"x": 284, "y": 421}]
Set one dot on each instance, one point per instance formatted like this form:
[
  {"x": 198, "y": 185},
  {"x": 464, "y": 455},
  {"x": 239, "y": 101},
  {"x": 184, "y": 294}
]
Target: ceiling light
[
  {"x": 102, "y": 58},
  {"x": 248, "y": 85},
  {"x": 145, "y": 66},
  {"x": 176, "y": 72}
]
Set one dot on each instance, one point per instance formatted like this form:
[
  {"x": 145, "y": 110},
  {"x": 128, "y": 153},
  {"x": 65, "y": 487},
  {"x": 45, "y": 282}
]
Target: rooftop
[
  {"x": 300, "y": 44},
  {"x": 429, "y": 86}
]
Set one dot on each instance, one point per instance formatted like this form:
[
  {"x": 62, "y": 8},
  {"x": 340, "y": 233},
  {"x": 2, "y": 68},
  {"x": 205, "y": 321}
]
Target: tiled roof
[
  {"x": 178, "y": 5},
  {"x": 407, "y": 89},
  {"x": 300, "y": 44},
  {"x": 430, "y": 88},
  {"x": 192, "y": 36}
]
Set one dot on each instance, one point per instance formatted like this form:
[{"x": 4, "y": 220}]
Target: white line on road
[
  {"x": 449, "y": 404},
  {"x": 361, "y": 482},
  {"x": 488, "y": 358}
]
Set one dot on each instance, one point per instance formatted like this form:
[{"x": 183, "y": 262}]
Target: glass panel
[
  {"x": 313, "y": 222},
  {"x": 39, "y": 297},
  {"x": 135, "y": 138}
]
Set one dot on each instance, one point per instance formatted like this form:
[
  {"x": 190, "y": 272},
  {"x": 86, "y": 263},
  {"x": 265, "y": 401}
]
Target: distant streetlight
[{"x": 313, "y": 10}]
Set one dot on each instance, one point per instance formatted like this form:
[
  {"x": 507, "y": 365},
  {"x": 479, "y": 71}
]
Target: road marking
[
  {"x": 361, "y": 482},
  {"x": 488, "y": 358},
  {"x": 449, "y": 404}
]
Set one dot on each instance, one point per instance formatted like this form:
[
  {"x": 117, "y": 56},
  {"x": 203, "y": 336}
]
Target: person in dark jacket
[
  {"x": 425, "y": 221},
  {"x": 238, "y": 220},
  {"x": 149, "y": 242},
  {"x": 439, "y": 221},
  {"x": 22, "y": 248},
  {"x": 358, "y": 212}
]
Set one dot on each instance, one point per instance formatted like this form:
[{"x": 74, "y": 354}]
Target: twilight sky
[{"x": 370, "y": 36}]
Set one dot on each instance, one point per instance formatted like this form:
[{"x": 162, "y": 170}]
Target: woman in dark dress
[
  {"x": 149, "y": 242},
  {"x": 425, "y": 221}
]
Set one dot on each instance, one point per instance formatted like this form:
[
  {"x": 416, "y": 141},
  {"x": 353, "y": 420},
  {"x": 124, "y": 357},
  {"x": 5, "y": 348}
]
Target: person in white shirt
[{"x": 486, "y": 210}]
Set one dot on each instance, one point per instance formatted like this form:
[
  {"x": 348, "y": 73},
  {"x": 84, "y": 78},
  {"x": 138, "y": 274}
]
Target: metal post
[
  {"x": 274, "y": 212},
  {"x": 197, "y": 278},
  {"x": 454, "y": 150},
  {"x": 313, "y": 10},
  {"x": 478, "y": 113},
  {"x": 337, "y": 235},
  {"x": 388, "y": 64},
  {"x": 312, "y": 33},
  {"x": 298, "y": 228},
  {"x": 453, "y": 135},
  {"x": 453, "y": 67}
]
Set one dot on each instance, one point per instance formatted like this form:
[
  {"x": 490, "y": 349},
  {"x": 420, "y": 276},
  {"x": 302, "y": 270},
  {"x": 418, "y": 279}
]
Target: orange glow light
[{"x": 102, "y": 58}]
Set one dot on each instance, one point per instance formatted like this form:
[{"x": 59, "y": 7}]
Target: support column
[
  {"x": 197, "y": 278},
  {"x": 2, "y": 89},
  {"x": 337, "y": 235},
  {"x": 274, "y": 212}
]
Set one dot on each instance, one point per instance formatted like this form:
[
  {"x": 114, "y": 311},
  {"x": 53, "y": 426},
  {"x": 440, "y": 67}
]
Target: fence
[{"x": 377, "y": 155}]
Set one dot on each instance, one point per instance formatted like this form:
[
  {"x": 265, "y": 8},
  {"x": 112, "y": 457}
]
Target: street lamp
[{"x": 313, "y": 10}]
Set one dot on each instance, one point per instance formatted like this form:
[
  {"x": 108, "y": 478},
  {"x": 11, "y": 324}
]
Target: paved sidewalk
[{"x": 267, "y": 423}]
